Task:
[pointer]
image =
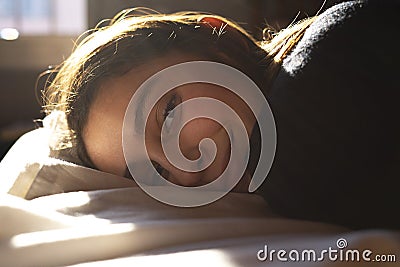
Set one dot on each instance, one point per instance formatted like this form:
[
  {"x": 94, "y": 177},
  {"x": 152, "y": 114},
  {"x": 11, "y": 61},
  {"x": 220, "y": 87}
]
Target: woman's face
[{"x": 102, "y": 134}]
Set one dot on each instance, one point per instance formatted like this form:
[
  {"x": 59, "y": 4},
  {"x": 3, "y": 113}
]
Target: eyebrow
[
  {"x": 139, "y": 115},
  {"x": 143, "y": 100},
  {"x": 139, "y": 120}
]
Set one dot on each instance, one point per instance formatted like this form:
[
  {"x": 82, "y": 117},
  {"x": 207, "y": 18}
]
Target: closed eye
[
  {"x": 150, "y": 180},
  {"x": 163, "y": 172}
]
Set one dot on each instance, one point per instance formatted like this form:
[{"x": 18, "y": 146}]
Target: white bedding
[
  {"x": 78, "y": 216},
  {"x": 122, "y": 227}
]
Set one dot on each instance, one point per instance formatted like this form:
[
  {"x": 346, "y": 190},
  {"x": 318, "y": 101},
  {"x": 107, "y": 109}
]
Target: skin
[{"x": 102, "y": 134}]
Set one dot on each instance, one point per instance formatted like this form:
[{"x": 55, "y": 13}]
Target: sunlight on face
[{"x": 103, "y": 133}]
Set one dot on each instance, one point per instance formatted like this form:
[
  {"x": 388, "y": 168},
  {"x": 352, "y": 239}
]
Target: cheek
[
  {"x": 104, "y": 147},
  {"x": 222, "y": 94}
]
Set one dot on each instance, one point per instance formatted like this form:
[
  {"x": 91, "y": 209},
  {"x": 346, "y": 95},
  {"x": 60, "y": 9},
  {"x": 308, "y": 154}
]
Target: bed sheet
[{"x": 126, "y": 227}]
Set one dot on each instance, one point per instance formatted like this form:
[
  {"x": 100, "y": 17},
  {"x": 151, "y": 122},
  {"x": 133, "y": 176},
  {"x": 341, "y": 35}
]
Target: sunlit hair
[{"x": 134, "y": 37}]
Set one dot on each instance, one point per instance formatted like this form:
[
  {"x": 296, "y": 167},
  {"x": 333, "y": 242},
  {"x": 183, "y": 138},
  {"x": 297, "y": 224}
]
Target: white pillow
[{"x": 28, "y": 171}]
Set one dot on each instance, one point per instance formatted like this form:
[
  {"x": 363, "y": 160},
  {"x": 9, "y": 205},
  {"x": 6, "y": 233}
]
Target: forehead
[{"x": 128, "y": 83}]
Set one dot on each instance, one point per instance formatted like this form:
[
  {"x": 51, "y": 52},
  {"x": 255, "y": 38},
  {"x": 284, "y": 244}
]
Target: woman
[{"x": 92, "y": 88}]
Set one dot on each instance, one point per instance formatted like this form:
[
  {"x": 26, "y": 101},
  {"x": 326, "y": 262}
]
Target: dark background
[{"x": 22, "y": 60}]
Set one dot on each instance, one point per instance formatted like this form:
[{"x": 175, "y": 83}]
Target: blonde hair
[
  {"x": 283, "y": 42},
  {"x": 135, "y": 35}
]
